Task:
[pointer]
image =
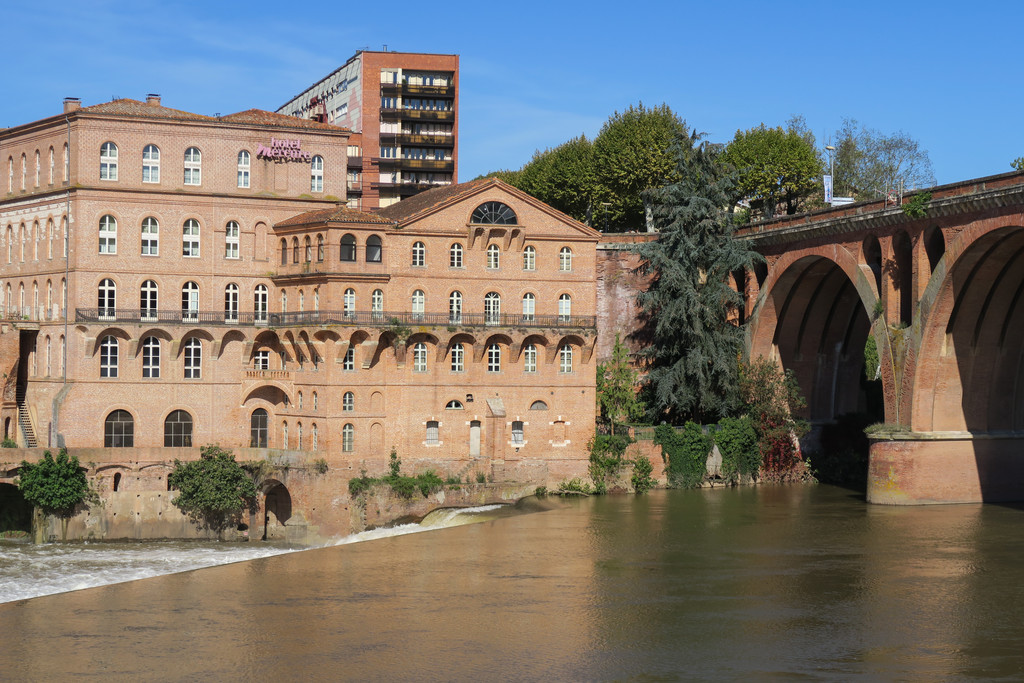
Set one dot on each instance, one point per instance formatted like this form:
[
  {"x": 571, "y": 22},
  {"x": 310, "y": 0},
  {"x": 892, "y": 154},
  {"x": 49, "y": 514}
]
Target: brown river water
[{"x": 768, "y": 583}]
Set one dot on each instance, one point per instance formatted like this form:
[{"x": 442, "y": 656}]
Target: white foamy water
[{"x": 30, "y": 571}]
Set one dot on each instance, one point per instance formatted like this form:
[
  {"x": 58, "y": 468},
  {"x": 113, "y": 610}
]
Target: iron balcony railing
[{"x": 350, "y": 318}]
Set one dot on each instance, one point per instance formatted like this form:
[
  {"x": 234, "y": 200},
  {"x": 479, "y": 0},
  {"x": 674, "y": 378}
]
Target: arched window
[
  {"x": 108, "y": 356},
  {"x": 538, "y": 405},
  {"x": 493, "y": 257},
  {"x": 493, "y": 213},
  {"x": 260, "y": 306},
  {"x": 565, "y": 259},
  {"x": 565, "y": 359},
  {"x": 308, "y": 249},
  {"x": 455, "y": 256},
  {"x": 348, "y": 248},
  {"x": 193, "y": 359},
  {"x": 316, "y": 402},
  {"x": 454, "y": 405},
  {"x": 348, "y": 402},
  {"x": 419, "y": 357},
  {"x": 419, "y": 302},
  {"x": 190, "y": 238},
  {"x": 284, "y": 301},
  {"x": 494, "y": 358},
  {"x": 320, "y": 248},
  {"x": 151, "y": 357},
  {"x": 119, "y": 430},
  {"x": 49, "y": 237},
  {"x": 150, "y": 237},
  {"x": 190, "y": 302},
  {"x": 108, "y": 161},
  {"x": 108, "y": 235},
  {"x": 455, "y": 308},
  {"x": 374, "y": 250},
  {"x": 151, "y": 164},
  {"x": 377, "y": 304},
  {"x": 529, "y": 307},
  {"x": 458, "y": 358},
  {"x": 193, "y": 166},
  {"x": 530, "y": 358},
  {"x": 564, "y": 309},
  {"x": 67, "y": 163},
  {"x": 231, "y": 303},
  {"x": 243, "y": 169},
  {"x": 348, "y": 436},
  {"x": 492, "y": 308},
  {"x": 37, "y": 169},
  {"x": 284, "y": 434},
  {"x": 298, "y": 436},
  {"x": 51, "y": 165},
  {"x": 419, "y": 254},
  {"x": 284, "y": 252},
  {"x": 107, "y": 303},
  {"x": 178, "y": 430},
  {"x": 529, "y": 258},
  {"x": 258, "y": 428},
  {"x": 231, "y": 240},
  {"x": 315, "y": 437},
  {"x": 148, "y": 298},
  {"x": 295, "y": 250},
  {"x": 349, "y": 302},
  {"x": 316, "y": 174}
]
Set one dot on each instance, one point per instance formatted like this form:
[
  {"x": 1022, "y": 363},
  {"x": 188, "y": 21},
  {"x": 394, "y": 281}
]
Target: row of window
[
  {"x": 149, "y": 302},
  {"x": 150, "y": 241},
  {"x": 24, "y": 237},
  {"x": 192, "y": 352},
  {"x": 38, "y": 166},
  {"x": 192, "y": 166}
]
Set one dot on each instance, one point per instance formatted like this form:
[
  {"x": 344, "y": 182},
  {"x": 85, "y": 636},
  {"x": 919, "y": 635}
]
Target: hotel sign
[{"x": 283, "y": 150}]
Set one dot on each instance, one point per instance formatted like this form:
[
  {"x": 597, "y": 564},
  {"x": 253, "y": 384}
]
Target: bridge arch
[
  {"x": 968, "y": 369},
  {"x": 812, "y": 317}
]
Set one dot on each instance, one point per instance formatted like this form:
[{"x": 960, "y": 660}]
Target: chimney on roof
[
  {"x": 72, "y": 104},
  {"x": 153, "y": 100}
]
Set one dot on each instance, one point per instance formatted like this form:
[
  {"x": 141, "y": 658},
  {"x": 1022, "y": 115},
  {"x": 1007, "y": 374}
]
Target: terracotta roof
[
  {"x": 341, "y": 214},
  {"x": 127, "y": 107},
  {"x": 432, "y": 198},
  {"x": 269, "y": 118}
]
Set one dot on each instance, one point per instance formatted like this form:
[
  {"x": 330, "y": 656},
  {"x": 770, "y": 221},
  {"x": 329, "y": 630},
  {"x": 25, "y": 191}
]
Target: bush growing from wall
[
  {"x": 737, "y": 442},
  {"x": 685, "y": 453},
  {"x": 772, "y": 398},
  {"x": 54, "y": 485},
  {"x": 606, "y": 459},
  {"x": 213, "y": 489}
]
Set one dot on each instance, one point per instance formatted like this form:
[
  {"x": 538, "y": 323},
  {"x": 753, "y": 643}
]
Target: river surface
[{"x": 765, "y": 583}]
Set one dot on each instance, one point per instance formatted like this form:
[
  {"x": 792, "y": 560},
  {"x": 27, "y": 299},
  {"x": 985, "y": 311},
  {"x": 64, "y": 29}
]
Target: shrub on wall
[
  {"x": 213, "y": 489},
  {"x": 685, "y": 453},
  {"x": 737, "y": 442}
]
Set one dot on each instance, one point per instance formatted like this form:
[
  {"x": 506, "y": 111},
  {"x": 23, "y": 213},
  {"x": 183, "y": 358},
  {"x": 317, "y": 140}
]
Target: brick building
[
  {"x": 404, "y": 110},
  {"x": 216, "y": 289}
]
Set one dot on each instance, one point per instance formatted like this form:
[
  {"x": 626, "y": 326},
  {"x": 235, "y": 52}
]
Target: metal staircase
[{"x": 24, "y": 421}]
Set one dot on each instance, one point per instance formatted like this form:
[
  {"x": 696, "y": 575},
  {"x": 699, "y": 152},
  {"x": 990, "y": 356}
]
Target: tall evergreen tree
[{"x": 693, "y": 348}]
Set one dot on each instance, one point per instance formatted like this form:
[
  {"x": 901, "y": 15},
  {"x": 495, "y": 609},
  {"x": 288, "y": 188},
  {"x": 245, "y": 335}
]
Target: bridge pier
[{"x": 946, "y": 467}]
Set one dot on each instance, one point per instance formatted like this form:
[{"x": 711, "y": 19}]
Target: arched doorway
[
  {"x": 15, "y": 511},
  {"x": 277, "y": 510}
]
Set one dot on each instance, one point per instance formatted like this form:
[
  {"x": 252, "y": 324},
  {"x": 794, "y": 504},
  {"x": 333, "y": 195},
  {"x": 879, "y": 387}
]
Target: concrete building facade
[{"x": 404, "y": 110}]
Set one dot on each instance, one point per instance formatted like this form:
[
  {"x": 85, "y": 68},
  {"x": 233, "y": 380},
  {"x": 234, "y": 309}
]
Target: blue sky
[{"x": 535, "y": 74}]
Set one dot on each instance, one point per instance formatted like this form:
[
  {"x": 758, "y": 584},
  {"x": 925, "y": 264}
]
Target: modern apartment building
[{"x": 404, "y": 109}]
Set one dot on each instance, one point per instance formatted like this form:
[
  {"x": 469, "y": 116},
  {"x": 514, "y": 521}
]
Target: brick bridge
[{"x": 943, "y": 296}]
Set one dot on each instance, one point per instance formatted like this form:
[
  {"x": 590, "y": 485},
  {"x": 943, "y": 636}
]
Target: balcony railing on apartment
[
  {"x": 347, "y": 318},
  {"x": 422, "y": 114},
  {"x": 436, "y": 140},
  {"x": 410, "y": 89}
]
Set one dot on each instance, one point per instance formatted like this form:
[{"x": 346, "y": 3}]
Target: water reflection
[{"x": 764, "y": 583}]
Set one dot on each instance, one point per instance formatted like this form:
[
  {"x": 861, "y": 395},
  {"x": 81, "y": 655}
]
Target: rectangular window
[
  {"x": 350, "y": 360},
  {"x": 261, "y": 361},
  {"x": 433, "y": 437},
  {"x": 193, "y": 360},
  {"x": 231, "y": 240},
  {"x": 517, "y": 433},
  {"x": 458, "y": 359}
]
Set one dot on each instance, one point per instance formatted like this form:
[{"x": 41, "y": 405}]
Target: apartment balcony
[
  {"x": 427, "y": 164},
  {"x": 355, "y": 162},
  {"x": 355, "y": 186},
  {"x": 432, "y": 140},
  {"x": 374, "y": 319},
  {"x": 417, "y": 114},
  {"x": 418, "y": 90}
]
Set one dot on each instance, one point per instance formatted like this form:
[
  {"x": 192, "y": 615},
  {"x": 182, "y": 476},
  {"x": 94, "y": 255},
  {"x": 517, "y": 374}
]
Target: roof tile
[{"x": 340, "y": 213}]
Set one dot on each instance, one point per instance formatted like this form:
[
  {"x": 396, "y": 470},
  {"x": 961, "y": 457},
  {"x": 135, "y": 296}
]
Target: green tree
[
  {"x": 772, "y": 399},
  {"x": 774, "y": 166},
  {"x": 213, "y": 489},
  {"x": 692, "y": 345},
  {"x": 1017, "y": 164},
  {"x": 617, "y": 387},
  {"x": 868, "y": 163},
  {"x": 54, "y": 485},
  {"x": 632, "y": 155}
]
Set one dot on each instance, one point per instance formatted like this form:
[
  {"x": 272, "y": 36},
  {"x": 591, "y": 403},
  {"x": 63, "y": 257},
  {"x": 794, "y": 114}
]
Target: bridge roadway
[{"x": 943, "y": 296}]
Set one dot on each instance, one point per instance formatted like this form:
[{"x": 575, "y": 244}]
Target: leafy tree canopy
[
  {"x": 55, "y": 485},
  {"x": 693, "y": 346},
  {"x": 213, "y": 488},
  {"x": 774, "y": 166},
  {"x": 867, "y": 162},
  {"x": 631, "y": 155}
]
